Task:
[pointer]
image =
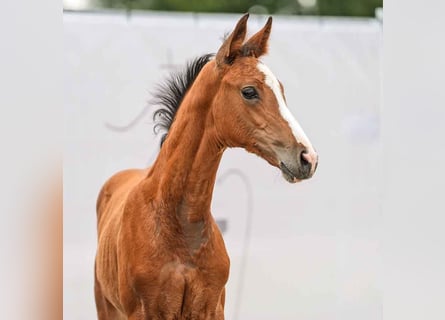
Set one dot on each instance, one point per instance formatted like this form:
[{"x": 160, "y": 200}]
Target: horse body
[
  {"x": 160, "y": 253},
  {"x": 177, "y": 278}
]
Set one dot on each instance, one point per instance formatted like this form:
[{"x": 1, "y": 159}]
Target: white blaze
[{"x": 274, "y": 85}]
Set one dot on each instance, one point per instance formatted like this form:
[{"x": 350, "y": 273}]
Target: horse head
[{"x": 249, "y": 108}]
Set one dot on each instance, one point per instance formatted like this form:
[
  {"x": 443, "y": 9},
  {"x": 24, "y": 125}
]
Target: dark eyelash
[{"x": 249, "y": 93}]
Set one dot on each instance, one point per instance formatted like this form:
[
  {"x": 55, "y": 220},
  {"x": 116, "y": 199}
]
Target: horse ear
[
  {"x": 231, "y": 46},
  {"x": 257, "y": 45}
]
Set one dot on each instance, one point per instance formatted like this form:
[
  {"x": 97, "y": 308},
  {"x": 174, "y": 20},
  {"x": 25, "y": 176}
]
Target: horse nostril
[
  {"x": 303, "y": 159},
  {"x": 308, "y": 162}
]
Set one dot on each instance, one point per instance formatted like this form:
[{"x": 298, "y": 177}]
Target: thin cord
[
  {"x": 129, "y": 125},
  {"x": 247, "y": 234}
]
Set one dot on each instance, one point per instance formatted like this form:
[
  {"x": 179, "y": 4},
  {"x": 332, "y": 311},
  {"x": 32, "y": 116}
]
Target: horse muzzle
[{"x": 301, "y": 167}]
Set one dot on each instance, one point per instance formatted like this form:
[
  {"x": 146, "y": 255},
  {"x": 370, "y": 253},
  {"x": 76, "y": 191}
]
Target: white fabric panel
[{"x": 313, "y": 251}]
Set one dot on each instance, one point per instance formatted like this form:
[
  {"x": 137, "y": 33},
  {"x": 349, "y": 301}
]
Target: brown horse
[{"x": 160, "y": 253}]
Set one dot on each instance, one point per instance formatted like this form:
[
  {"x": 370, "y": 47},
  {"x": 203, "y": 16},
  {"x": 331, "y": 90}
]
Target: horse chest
[
  {"x": 190, "y": 288},
  {"x": 164, "y": 266},
  {"x": 183, "y": 291},
  {"x": 206, "y": 266}
]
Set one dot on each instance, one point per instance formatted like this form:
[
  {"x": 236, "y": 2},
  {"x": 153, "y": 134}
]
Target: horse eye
[{"x": 249, "y": 93}]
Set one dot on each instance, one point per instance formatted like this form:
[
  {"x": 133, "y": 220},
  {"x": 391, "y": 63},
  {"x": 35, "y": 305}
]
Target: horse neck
[{"x": 185, "y": 170}]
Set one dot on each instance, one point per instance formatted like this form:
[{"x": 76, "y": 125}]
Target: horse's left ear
[
  {"x": 257, "y": 45},
  {"x": 231, "y": 46}
]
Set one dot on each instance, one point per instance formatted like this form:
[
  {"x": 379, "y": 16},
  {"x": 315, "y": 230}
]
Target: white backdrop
[{"x": 313, "y": 251}]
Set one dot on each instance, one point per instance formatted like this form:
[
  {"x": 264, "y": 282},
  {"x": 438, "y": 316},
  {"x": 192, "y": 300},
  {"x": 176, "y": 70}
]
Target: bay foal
[{"x": 160, "y": 253}]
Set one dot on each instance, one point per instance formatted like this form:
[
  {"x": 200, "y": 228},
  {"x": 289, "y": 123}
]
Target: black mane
[{"x": 169, "y": 94}]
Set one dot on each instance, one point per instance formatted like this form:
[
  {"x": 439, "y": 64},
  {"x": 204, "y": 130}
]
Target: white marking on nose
[{"x": 298, "y": 132}]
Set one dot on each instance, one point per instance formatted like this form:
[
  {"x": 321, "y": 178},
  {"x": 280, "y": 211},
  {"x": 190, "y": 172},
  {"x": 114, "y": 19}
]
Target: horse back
[{"x": 115, "y": 191}]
